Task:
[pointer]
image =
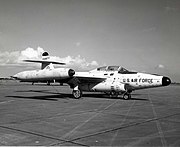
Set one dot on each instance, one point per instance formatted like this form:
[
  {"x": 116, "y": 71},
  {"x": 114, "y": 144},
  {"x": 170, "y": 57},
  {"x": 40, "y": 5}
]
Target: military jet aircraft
[{"x": 112, "y": 80}]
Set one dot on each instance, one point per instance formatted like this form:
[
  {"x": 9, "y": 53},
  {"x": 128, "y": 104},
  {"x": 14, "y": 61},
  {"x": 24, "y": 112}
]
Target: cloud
[
  {"x": 9, "y": 57},
  {"x": 161, "y": 66},
  {"x": 78, "y": 44},
  {"x": 15, "y": 58},
  {"x": 31, "y": 53},
  {"x": 170, "y": 9},
  {"x": 76, "y": 62}
]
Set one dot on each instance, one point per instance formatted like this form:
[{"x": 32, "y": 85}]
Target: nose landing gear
[{"x": 127, "y": 95}]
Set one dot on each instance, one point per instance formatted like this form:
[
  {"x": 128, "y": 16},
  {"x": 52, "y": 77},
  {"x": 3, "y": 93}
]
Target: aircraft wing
[
  {"x": 84, "y": 77},
  {"x": 44, "y": 61}
]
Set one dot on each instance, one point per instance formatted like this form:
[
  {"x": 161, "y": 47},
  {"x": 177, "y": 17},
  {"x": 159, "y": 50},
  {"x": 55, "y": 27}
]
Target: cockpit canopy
[{"x": 119, "y": 69}]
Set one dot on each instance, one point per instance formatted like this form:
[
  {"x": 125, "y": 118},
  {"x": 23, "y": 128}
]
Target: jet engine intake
[{"x": 71, "y": 72}]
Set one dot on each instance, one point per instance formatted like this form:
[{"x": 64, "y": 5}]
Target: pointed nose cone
[{"x": 166, "y": 81}]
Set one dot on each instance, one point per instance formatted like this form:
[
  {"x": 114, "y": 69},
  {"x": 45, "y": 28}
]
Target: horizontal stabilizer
[{"x": 44, "y": 61}]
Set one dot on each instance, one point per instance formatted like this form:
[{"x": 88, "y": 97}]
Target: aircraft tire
[
  {"x": 77, "y": 94},
  {"x": 114, "y": 94},
  {"x": 127, "y": 96}
]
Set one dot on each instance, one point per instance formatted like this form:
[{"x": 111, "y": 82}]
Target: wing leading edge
[
  {"x": 84, "y": 78},
  {"x": 44, "y": 61}
]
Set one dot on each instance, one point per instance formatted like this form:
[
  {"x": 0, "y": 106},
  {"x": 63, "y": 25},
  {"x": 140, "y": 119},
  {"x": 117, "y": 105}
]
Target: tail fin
[{"x": 45, "y": 61}]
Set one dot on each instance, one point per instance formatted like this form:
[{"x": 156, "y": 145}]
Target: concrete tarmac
[{"x": 48, "y": 115}]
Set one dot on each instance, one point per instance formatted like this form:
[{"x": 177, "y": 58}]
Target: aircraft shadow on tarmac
[
  {"x": 46, "y": 97},
  {"x": 104, "y": 96},
  {"x": 38, "y": 91},
  {"x": 55, "y": 96}
]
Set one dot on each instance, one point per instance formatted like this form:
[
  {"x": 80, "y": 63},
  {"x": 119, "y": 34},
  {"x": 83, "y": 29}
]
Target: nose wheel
[{"x": 127, "y": 96}]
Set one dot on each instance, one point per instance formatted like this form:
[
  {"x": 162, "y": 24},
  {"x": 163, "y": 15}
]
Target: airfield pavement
[{"x": 48, "y": 115}]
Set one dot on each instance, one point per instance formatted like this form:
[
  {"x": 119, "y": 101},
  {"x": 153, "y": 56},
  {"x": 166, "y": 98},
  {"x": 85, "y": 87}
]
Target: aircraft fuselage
[{"x": 121, "y": 82}]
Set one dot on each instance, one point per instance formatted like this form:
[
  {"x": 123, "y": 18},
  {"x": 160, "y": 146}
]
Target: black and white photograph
[{"x": 90, "y": 73}]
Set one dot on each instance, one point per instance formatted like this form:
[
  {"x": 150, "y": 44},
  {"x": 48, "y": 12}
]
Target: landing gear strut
[
  {"x": 48, "y": 83},
  {"x": 127, "y": 95}
]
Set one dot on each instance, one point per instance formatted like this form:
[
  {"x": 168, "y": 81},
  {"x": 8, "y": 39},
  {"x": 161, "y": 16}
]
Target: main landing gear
[{"x": 77, "y": 93}]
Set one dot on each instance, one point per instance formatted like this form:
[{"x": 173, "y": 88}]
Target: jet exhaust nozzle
[
  {"x": 71, "y": 72},
  {"x": 166, "y": 81}
]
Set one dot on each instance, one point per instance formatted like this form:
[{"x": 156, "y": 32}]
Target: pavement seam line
[
  {"x": 41, "y": 135},
  {"x": 79, "y": 126},
  {"x": 127, "y": 114},
  {"x": 125, "y": 126},
  {"x": 161, "y": 134}
]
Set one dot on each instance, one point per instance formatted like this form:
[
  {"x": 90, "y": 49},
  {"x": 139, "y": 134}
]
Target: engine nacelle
[{"x": 108, "y": 87}]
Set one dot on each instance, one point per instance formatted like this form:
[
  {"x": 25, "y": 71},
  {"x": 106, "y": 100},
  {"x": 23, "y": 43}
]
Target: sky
[{"x": 140, "y": 35}]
